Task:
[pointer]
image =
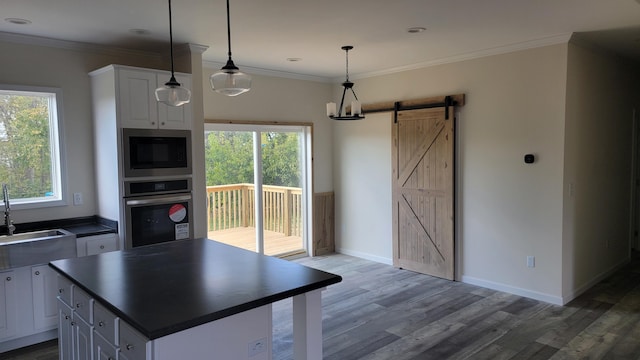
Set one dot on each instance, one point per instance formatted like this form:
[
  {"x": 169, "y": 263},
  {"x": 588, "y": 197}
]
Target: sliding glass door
[{"x": 258, "y": 181}]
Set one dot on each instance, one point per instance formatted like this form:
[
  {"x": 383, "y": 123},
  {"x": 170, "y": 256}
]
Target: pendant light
[
  {"x": 230, "y": 80},
  {"x": 172, "y": 93},
  {"x": 356, "y": 107}
]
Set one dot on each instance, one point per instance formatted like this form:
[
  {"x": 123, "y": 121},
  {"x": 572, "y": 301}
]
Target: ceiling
[{"x": 265, "y": 33}]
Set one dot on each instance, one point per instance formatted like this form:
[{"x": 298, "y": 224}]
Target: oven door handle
[{"x": 159, "y": 200}]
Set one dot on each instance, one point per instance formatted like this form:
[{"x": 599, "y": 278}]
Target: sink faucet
[{"x": 7, "y": 210}]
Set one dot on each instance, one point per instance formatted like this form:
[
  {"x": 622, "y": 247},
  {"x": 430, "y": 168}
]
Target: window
[{"x": 30, "y": 151}]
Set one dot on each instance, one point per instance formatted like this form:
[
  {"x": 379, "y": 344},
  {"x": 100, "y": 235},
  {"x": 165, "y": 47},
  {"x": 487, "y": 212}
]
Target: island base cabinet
[
  {"x": 82, "y": 338},
  {"x": 133, "y": 346},
  {"x": 102, "y": 349},
  {"x": 65, "y": 331},
  {"x": 246, "y": 335}
]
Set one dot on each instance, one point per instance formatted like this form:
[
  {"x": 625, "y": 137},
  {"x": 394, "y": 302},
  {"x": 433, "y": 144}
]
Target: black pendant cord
[
  {"x": 347, "y": 62},
  {"x": 228, "y": 30},
  {"x": 229, "y": 67},
  {"x": 173, "y": 80}
]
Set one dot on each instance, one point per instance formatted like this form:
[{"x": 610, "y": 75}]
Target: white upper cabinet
[
  {"x": 134, "y": 91},
  {"x": 138, "y": 107}
]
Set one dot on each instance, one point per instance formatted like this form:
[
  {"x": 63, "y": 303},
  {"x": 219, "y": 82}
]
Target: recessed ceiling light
[
  {"x": 415, "y": 30},
  {"x": 294, "y": 59},
  {"x": 142, "y": 32},
  {"x": 18, "y": 21}
]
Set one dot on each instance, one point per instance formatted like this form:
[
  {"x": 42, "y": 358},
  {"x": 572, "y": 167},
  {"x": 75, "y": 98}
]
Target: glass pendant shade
[
  {"x": 230, "y": 80},
  {"x": 173, "y": 94}
]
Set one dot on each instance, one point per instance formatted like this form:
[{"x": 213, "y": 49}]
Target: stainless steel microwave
[{"x": 156, "y": 152}]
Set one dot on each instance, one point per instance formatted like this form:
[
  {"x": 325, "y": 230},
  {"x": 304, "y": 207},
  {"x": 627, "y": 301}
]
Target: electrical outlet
[
  {"x": 77, "y": 198},
  {"x": 531, "y": 261},
  {"x": 258, "y": 346}
]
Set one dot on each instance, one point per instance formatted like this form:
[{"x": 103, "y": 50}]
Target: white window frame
[{"x": 56, "y": 139}]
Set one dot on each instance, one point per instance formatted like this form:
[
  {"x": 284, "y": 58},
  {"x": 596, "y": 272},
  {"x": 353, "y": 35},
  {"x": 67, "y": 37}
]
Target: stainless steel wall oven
[{"x": 157, "y": 211}]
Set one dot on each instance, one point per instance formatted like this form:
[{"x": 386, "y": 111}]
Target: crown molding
[
  {"x": 536, "y": 43},
  {"x": 108, "y": 50},
  {"x": 71, "y": 45}
]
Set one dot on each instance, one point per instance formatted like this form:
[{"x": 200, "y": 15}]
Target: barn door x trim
[{"x": 423, "y": 183}]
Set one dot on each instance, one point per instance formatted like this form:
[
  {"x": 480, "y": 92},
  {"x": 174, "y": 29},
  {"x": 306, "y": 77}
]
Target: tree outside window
[{"x": 29, "y": 144}]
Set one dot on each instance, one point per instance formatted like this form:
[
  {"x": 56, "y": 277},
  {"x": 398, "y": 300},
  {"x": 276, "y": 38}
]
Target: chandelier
[{"x": 356, "y": 107}]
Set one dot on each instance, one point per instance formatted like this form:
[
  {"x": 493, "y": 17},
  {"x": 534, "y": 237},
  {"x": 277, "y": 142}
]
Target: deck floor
[{"x": 245, "y": 237}]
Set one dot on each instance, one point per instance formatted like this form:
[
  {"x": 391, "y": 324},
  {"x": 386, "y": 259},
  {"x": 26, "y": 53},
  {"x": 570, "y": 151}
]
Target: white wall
[
  {"x": 507, "y": 209},
  {"x": 362, "y": 162},
  {"x": 283, "y": 100},
  {"x": 602, "y": 92},
  {"x": 66, "y": 68}
]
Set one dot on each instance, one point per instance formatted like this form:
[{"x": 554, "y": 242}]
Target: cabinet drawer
[
  {"x": 103, "y": 349},
  {"x": 133, "y": 346},
  {"x": 105, "y": 323},
  {"x": 102, "y": 243},
  {"x": 64, "y": 290},
  {"x": 83, "y": 305}
]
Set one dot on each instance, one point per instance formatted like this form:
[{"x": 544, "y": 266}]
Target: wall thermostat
[{"x": 529, "y": 158}]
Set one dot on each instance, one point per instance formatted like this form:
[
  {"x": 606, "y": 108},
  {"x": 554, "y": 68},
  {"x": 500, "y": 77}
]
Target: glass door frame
[{"x": 306, "y": 177}]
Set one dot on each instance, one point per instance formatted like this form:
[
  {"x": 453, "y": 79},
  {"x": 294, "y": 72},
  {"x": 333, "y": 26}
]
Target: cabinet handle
[
  {"x": 78, "y": 305},
  {"x": 8, "y": 278},
  {"x": 66, "y": 317},
  {"x": 101, "y": 247},
  {"x": 129, "y": 347},
  {"x": 73, "y": 323},
  {"x": 37, "y": 272},
  {"x": 60, "y": 291},
  {"x": 101, "y": 324}
]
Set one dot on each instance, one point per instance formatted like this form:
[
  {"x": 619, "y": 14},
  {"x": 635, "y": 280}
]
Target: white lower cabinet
[
  {"x": 28, "y": 311},
  {"x": 44, "y": 288},
  {"x": 97, "y": 244},
  {"x": 8, "y": 303}
]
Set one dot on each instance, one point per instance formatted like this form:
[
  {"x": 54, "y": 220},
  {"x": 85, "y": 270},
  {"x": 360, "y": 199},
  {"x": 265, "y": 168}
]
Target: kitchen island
[{"x": 189, "y": 299}]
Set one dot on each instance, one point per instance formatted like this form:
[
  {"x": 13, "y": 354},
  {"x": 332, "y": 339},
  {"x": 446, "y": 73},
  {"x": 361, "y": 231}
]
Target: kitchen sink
[{"x": 34, "y": 248}]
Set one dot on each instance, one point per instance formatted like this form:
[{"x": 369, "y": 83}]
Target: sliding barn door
[{"x": 423, "y": 183}]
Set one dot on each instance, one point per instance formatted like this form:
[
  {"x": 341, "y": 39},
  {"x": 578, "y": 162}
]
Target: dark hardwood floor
[{"x": 382, "y": 313}]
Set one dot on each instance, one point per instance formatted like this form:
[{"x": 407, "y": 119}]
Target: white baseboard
[
  {"x": 358, "y": 254},
  {"x": 536, "y": 295},
  {"x": 581, "y": 289},
  {"x": 552, "y": 299}
]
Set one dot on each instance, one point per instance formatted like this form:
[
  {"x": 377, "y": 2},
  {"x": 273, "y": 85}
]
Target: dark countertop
[
  {"x": 82, "y": 230},
  {"x": 169, "y": 287},
  {"x": 83, "y": 226}
]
